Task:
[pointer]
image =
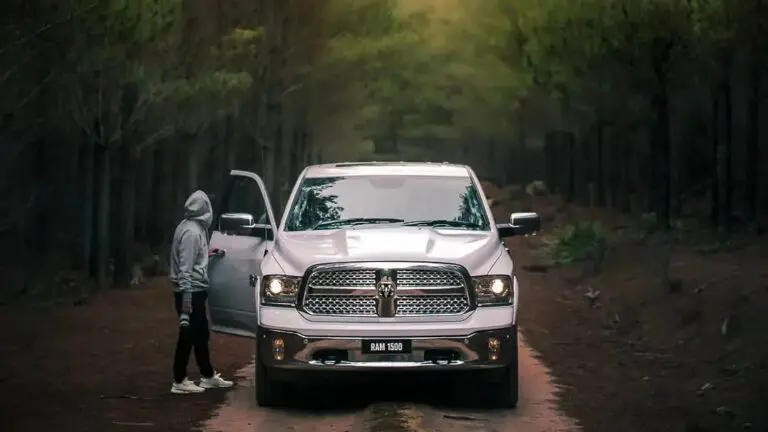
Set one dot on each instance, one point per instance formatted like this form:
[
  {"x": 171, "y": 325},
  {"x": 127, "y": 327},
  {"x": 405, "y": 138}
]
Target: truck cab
[{"x": 377, "y": 266}]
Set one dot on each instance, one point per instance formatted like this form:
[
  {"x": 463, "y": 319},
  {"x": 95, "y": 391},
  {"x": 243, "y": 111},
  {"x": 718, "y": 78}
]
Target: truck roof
[{"x": 438, "y": 169}]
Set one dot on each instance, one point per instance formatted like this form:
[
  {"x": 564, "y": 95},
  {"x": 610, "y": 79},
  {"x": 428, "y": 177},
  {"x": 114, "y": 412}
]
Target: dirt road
[
  {"x": 104, "y": 363},
  {"x": 415, "y": 407},
  {"x": 105, "y": 366}
]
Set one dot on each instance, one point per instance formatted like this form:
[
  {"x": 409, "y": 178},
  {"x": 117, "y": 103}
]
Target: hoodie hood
[
  {"x": 198, "y": 208},
  {"x": 476, "y": 251}
]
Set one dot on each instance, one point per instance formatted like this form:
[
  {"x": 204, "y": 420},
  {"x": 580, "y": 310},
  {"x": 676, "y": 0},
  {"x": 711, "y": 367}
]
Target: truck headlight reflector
[
  {"x": 498, "y": 287},
  {"x": 493, "y": 290},
  {"x": 275, "y": 287},
  {"x": 280, "y": 290}
]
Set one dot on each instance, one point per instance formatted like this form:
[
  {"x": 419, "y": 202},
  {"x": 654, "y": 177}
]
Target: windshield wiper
[
  {"x": 355, "y": 221},
  {"x": 442, "y": 222}
]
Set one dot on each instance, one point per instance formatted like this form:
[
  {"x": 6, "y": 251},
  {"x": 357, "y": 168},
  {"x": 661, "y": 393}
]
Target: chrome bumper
[{"x": 471, "y": 352}]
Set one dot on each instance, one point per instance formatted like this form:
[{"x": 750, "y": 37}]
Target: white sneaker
[
  {"x": 216, "y": 381},
  {"x": 186, "y": 387}
]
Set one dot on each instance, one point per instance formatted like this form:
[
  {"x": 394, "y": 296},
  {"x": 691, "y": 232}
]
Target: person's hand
[{"x": 186, "y": 305}]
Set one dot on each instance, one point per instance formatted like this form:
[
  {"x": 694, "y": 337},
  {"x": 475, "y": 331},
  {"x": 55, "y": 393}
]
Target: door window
[{"x": 244, "y": 196}]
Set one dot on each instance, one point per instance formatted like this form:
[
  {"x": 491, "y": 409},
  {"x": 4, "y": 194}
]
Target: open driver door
[{"x": 243, "y": 231}]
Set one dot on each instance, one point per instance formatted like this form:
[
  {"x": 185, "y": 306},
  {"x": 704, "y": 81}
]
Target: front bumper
[{"x": 470, "y": 352}]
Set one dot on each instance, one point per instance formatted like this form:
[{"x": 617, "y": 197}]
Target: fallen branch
[
  {"x": 125, "y": 396},
  {"x": 132, "y": 423},
  {"x": 160, "y": 134},
  {"x": 34, "y": 91}
]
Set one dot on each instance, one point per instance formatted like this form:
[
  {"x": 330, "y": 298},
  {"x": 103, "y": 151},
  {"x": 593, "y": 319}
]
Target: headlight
[
  {"x": 493, "y": 290},
  {"x": 278, "y": 290}
]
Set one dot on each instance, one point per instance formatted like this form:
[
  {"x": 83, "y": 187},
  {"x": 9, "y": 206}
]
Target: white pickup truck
[{"x": 376, "y": 266}]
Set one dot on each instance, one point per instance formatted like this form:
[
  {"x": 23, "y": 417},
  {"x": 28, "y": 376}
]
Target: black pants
[{"x": 196, "y": 335}]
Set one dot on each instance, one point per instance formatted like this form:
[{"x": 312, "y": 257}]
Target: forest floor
[
  {"x": 104, "y": 365},
  {"x": 640, "y": 359}
]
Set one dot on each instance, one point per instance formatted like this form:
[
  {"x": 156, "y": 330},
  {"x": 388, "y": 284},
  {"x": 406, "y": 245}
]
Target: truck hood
[{"x": 476, "y": 251}]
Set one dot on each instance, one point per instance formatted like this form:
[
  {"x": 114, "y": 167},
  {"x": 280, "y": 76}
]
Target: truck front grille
[{"x": 421, "y": 290}]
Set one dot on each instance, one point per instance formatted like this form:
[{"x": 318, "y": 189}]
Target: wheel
[
  {"x": 269, "y": 392},
  {"x": 506, "y": 392}
]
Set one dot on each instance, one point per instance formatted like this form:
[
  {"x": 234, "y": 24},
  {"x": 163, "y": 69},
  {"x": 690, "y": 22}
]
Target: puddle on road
[
  {"x": 389, "y": 417},
  {"x": 426, "y": 412}
]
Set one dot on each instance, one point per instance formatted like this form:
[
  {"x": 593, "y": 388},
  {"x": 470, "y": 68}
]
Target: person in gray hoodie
[{"x": 189, "y": 275}]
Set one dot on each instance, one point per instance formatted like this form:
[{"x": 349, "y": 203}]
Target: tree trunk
[
  {"x": 551, "y": 165},
  {"x": 272, "y": 95},
  {"x": 193, "y": 166},
  {"x": 752, "y": 156},
  {"x": 102, "y": 215},
  {"x": 661, "y": 148},
  {"x": 41, "y": 235},
  {"x": 225, "y": 155},
  {"x": 582, "y": 171},
  {"x": 626, "y": 189},
  {"x": 144, "y": 195},
  {"x": 231, "y": 144},
  {"x": 715, "y": 145},
  {"x": 599, "y": 178},
  {"x": 161, "y": 215},
  {"x": 306, "y": 145},
  {"x": 87, "y": 201},
  {"x": 724, "y": 156},
  {"x": 569, "y": 145},
  {"x": 296, "y": 155},
  {"x": 125, "y": 239},
  {"x": 614, "y": 165},
  {"x": 278, "y": 174}
]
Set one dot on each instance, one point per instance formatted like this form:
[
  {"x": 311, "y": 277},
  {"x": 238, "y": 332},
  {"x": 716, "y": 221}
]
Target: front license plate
[{"x": 386, "y": 346}]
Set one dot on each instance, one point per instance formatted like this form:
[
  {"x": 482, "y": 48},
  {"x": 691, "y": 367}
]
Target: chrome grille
[
  {"x": 432, "y": 305},
  {"x": 422, "y": 290},
  {"x": 341, "y": 305},
  {"x": 366, "y": 305},
  {"x": 343, "y": 279}
]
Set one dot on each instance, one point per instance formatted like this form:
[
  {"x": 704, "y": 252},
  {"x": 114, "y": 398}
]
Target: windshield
[{"x": 337, "y": 202}]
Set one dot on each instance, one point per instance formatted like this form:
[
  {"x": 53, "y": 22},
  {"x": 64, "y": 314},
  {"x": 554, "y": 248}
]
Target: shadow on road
[
  {"x": 446, "y": 391},
  {"x": 397, "y": 402}
]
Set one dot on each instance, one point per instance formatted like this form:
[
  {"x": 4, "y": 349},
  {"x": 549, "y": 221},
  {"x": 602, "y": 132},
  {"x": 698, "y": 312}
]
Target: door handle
[{"x": 216, "y": 252}]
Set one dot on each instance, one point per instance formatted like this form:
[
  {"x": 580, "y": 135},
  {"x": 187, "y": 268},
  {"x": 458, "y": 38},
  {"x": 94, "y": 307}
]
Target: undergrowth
[{"x": 577, "y": 243}]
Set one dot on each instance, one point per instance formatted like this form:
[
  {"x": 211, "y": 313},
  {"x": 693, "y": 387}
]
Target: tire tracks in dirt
[{"x": 424, "y": 410}]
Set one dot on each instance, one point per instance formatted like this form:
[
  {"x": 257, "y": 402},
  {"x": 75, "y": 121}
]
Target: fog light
[
  {"x": 493, "y": 348},
  {"x": 278, "y": 349}
]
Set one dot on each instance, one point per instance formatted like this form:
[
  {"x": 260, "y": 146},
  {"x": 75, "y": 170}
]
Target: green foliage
[
  {"x": 395, "y": 71},
  {"x": 649, "y": 226},
  {"x": 204, "y": 98},
  {"x": 577, "y": 243},
  {"x": 407, "y": 154},
  {"x": 240, "y": 48},
  {"x": 141, "y": 44}
]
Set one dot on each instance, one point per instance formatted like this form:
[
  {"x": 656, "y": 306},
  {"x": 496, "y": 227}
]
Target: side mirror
[
  {"x": 520, "y": 224},
  {"x": 236, "y": 222},
  {"x": 525, "y": 223},
  {"x": 243, "y": 224}
]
